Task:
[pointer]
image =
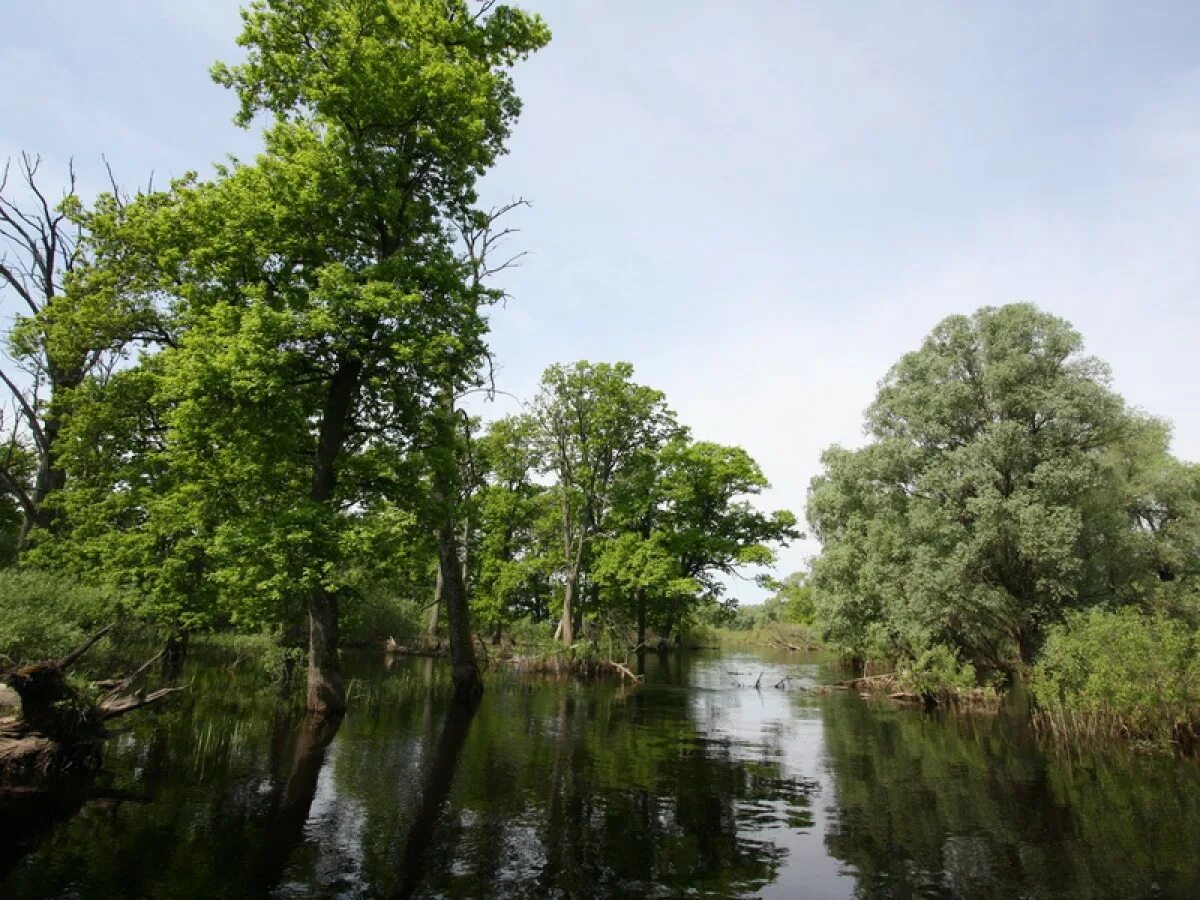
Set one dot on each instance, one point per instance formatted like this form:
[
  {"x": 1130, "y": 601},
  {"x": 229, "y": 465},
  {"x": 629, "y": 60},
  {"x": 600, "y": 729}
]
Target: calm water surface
[{"x": 696, "y": 784}]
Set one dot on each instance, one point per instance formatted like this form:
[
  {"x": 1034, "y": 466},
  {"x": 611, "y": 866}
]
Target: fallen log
[
  {"x": 60, "y": 728},
  {"x": 625, "y": 671},
  {"x": 118, "y": 707}
]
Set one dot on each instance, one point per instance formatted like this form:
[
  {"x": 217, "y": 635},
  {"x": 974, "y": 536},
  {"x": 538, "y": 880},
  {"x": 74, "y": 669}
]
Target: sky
[{"x": 761, "y": 205}]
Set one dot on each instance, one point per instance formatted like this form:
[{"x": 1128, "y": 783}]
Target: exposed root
[{"x": 60, "y": 728}]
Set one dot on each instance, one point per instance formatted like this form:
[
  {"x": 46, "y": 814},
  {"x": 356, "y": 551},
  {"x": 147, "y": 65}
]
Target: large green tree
[
  {"x": 322, "y": 297},
  {"x": 683, "y": 525},
  {"x": 1003, "y": 482},
  {"x": 593, "y": 427}
]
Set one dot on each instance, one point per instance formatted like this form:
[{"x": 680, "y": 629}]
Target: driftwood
[
  {"x": 885, "y": 681},
  {"x": 392, "y": 648},
  {"x": 780, "y": 641},
  {"x": 59, "y": 728},
  {"x": 624, "y": 671}
]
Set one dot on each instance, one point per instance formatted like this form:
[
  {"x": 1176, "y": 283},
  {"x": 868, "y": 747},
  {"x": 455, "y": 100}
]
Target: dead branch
[
  {"x": 73, "y": 657},
  {"x": 122, "y": 705},
  {"x": 124, "y": 684},
  {"x": 624, "y": 671}
]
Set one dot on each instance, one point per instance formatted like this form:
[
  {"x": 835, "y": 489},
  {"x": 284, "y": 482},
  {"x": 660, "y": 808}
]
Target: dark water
[{"x": 693, "y": 785}]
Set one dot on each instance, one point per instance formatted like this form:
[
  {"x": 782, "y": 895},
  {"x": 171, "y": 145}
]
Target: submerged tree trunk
[
  {"x": 467, "y": 682},
  {"x": 175, "y": 653},
  {"x": 431, "y": 623},
  {"x": 468, "y": 685},
  {"x": 326, "y": 691}
]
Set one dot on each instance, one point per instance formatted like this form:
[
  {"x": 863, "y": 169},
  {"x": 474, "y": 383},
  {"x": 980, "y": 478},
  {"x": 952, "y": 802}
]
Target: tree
[
  {"x": 709, "y": 522},
  {"x": 592, "y": 425},
  {"x": 321, "y": 296},
  {"x": 684, "y": 524},
  {"x": 64, "y": 332},
  {"x": 991, "y": 497},
  {"x": 794, "y": 596},
  {"x": 513, "y": 555}
]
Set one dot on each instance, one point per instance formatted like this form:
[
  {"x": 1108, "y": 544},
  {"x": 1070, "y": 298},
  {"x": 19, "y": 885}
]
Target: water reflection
[
  {"x": 696, "y": 784},
  {"x": 972, "y": 807},
  {"x": 291, "y": 795}
]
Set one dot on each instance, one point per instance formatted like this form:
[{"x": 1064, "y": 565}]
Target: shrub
[
  {"x": 44, "y": 615},
  {"x": 376, "y": 614},
  {"x": 1119, "y": 672},
  {"x": 937, "y": 672}
]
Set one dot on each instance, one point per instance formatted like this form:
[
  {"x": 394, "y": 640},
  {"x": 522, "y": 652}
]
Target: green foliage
[
  {"x": 10, "y": 529},
  {"x": 377, "y": 614},
  {"x": 794, "y": 595},
  {"x": 1120, "y": 671},
  {"x": 938, "y": 672},
  {"x": 45, "y": 615},
  {"x": 1003, "y": 485},
  {"x": 299, "y": 313},
  {"x": 638, "y": 521}
]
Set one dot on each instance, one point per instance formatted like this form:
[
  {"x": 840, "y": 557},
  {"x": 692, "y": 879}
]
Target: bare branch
[
  {"x": 31, "y": 416},
  {"x": 73, "y": 657}
]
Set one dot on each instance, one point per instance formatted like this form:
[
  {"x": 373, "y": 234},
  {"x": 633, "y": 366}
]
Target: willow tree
[{"x": 1001, "y": 485}]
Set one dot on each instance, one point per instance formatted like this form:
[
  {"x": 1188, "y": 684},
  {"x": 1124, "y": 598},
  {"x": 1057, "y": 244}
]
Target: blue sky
[{"x": 761, "y": 205}]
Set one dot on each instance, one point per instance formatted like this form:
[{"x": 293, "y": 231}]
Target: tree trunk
[
  {"x": 468, "y": 686},
  {"x": 566, "y": 627},
  {"x": 326, "y": 691},
  {"x": 431, "y": 624},
  {"x": 664, "y": 639},
  {"x": 50, "y": 476},
  {"x": 175, "y": 653},
  {"x": 467, "y": 683},
  {"x": 465, "y": 548},
  {"x": 641, "y": 616}
]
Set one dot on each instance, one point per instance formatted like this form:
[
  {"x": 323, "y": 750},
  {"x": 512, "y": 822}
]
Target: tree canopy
[{"x": 1003, "y": 483}]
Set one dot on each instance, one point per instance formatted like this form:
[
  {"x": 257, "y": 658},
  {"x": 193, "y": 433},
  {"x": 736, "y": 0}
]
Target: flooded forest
[{"x": 329, "y": 568}]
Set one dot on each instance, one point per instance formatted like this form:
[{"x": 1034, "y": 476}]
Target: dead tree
[{"x": 40, "y": 248}]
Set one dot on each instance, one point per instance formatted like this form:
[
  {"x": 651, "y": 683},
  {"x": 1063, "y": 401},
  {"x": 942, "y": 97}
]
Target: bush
[
  {"x": 376, "y": 614},
  {"x": 1122, "y": 673},
  {"x": 44, "y": 615},
  {"x": 937, "y": 672}
]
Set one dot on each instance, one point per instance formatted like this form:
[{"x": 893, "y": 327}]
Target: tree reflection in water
[
  {"x": 972, "y": 806},
  {"x": 695, "y": 784}
]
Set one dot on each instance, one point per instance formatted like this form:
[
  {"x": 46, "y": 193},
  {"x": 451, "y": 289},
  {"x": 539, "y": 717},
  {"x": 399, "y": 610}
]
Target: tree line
[{"x": 239, "y": 398}]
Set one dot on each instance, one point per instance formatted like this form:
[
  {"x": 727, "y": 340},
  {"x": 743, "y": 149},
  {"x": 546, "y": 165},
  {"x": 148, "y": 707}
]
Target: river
[{"x": 697, "y": 783}]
